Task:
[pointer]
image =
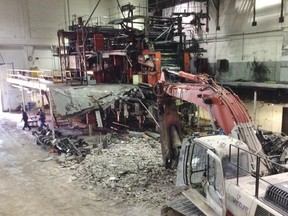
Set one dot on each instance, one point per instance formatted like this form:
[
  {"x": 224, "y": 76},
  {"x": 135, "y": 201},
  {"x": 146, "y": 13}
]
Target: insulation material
[{"x": 72, "y": 101}]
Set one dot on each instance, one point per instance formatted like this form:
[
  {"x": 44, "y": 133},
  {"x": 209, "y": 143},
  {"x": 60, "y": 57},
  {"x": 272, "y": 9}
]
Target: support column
[
  {"x": 254, "y": 108},
  {"x": 42, "y": 100},
  {"x": 90, "y": 129},
  {"x": 51, "y": 113},
  {"x": 23, "y": 97}
]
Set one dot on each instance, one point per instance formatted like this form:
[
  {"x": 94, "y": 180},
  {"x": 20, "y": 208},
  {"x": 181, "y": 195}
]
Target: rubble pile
[{"x": 129, "y": 170}]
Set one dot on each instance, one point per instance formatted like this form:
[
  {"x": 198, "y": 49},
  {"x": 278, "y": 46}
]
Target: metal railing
[
  {"x": 40, "y": 75},
  {"x": 255, "y": 174}
]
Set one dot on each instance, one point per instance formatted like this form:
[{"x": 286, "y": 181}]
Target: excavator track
[{"x": 181, "y": 205}]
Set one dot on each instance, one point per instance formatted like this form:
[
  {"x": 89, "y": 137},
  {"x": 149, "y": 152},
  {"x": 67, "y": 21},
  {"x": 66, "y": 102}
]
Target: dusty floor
[{"x": 31, "y": 184}]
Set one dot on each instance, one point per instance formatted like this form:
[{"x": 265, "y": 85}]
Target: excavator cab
[
  {"x": 203, "y": 173},
  {"x": 215, "y": 178},
  {"x": 205, "y": 163}
]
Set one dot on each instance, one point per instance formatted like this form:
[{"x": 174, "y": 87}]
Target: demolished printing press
[{"x": 107, "y": 108}]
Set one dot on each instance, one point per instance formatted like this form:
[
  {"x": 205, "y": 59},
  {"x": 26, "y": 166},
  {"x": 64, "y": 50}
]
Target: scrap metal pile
[{"x": 66, "y": 144}]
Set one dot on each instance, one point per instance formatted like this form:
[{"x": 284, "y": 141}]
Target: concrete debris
[
  {"x": 124, "y": 167},
  {"x": 71, "y": 101},
  {"x": 128, "y": 170}
]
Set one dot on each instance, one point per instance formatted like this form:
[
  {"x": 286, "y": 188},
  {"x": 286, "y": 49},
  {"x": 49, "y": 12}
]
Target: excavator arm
[{"x": 224, "y": 107}]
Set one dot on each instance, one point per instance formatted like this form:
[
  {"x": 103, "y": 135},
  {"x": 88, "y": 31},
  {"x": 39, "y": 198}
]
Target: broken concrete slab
[{"x": 71, "y": 101}]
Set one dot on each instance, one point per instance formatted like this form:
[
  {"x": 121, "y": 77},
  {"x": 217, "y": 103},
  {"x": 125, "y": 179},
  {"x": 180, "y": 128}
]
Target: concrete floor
[{"x": 31, "y": 183}]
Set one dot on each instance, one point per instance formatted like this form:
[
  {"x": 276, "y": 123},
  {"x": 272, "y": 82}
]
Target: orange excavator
[{"x": 225, "y": 109}]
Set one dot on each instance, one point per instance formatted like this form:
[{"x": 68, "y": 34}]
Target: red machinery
[
  {"x": 224, "y": 107},
  {"x": 150, "y": 63}
]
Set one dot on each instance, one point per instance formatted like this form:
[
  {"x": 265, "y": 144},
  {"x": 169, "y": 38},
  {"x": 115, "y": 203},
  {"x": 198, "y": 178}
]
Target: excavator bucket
[{"x": 170, "y": 133}]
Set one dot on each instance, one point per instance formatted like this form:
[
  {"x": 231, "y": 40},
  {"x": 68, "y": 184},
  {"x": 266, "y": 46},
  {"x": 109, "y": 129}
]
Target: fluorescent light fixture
[{"x": 267, "y": 3}]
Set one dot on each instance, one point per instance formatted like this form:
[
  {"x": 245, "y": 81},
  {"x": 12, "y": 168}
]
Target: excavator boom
[{"x": 224, "y": 106}]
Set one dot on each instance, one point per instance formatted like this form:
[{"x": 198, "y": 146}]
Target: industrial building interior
[{"x": 151, "y": 107}]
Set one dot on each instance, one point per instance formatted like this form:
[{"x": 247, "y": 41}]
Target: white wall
[
  {"x": 29, "y": 27},
  {"x": 34, "y": 24},
  {"x": 241, "y": 43},
  {"x": 268, "y": 115},
  {"x": 110, "y": 7},
  {"x": 108, "y": 10}
]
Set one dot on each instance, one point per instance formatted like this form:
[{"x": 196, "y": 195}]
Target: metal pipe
[
  {"x": 257, "y": 176},
  {"x": 65, "y": 16},
  {"x": 92, "y": 13},
  {"x": 281, "y": 18},
  {"x": 117, "y": 123},
  {"x": 162, "y": 34},
  {"x": 120, "y": 8},
  {"x": 60, "y": 57},
  {"x": 207, "y": 18},
  {"x": 170, "y": 71},
  {"x": 68, "y": 11},
  {"x": 218, "y": 16},
  {"x": 149, "y": 113},
  {"x": 254, "y": 23},
  {"x": 238, "y": 159},
  {"x": 64, "y": 54}
]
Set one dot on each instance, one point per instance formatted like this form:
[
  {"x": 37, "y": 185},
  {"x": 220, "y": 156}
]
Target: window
[
  {"x": 198, "y": 164},
  {"x": 215, "y": 176},
  {"x": 230, "y": 169}
]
